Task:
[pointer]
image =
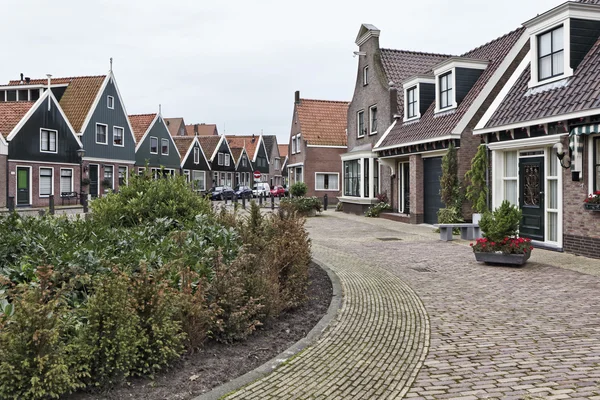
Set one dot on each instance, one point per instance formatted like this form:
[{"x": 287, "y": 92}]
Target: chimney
[
  {"x": 196, "y": 129},
  {"x": 297, "y": 97},
  {"x": 21, "y": 78},
  {"x": 49, "y": 81},
  {"x": 27, "y": 79},
  {"x": 253, "y": 138}
]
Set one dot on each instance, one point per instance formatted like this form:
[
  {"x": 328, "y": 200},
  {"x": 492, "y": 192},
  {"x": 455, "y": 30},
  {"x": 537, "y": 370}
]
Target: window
[
  {"x": 277, "y": 164},
  {"x": 596, "y": 164},
  {"x": 227, "y": 160},
  {"x": 186, "y": 173},
  {"x": 229, "y": 175},
  {"x": 141, "y": 170},
  {"x": 446, "y": 95},
  {"x": 110, "y": 102},
  {"x": 101, "y": 136},
  {"x": 404, "y": 187},
  {"x": 360, "y": 122},
  {"x": 351, "y": 178},
  {"x": 196, "y": 155},
  {"x": 551, "y": 54},
  {"x": 298, "y": 174},
  {"x": 153, "y": 145},
  {"x": 510, "y": 177},
  {"x": 366, "y": 177},
  {"x": 199, "y": 181},
  {"x": 122, "y": 176},
  {"x": 327, "y": 181},
  {"x": 411, "y": 102},
  {"x": 552, "y": 196},
  {"x": 164, "y": 147},
  {"x": 223, "y": 181},
  {"x": 45, "y": 182},
  {"x": 244, "y": 161},
  {"x": 117, "y": 136},
  {"x": 66, "y": 180},
  {"x": 220, "y": 158},
  {"x": 298, "y": 144},
  {"x": 108, "y": 183},
  {"x": 375, "y": 177},
  {"x": 373, "y": 119},
  {"x": 215, "y": 178},
  {"x": 366, "y": 75},
  {"x": 293, "y": 144},
  {"x": 48, "y": 140}
]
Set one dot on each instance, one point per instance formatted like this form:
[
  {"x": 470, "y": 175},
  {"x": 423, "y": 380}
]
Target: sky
[{"x": 236, "y": 63}]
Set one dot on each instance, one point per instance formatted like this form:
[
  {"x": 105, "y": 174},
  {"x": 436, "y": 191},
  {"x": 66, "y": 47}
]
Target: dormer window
[
  {"x": 110, "y": 102},
  {"x": 551, "y": 54},
  {"x": 446, "y": 91},
  {"x": 366, "y": 75},
  {"x": 411, "y": 103}
]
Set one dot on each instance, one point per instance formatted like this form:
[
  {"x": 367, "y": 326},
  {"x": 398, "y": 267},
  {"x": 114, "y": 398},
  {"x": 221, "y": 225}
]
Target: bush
[
  {"x": 339, "y": 206},
  {"x": 299, "y": 189},
  {"x": 450, "y": 215},
  {"x": 301, "y": 205},
  {"x": 477, "y": 188},
  {"x": 502, "y": 223},
  {"x": 449, "y": 184},
  {"x": 376, "y": 209}
]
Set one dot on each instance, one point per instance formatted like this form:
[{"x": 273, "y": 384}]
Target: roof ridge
[
  {"x": 59, "y": 78},
  {"x": 493, "y": 40},
  {"x": 141, "y": 115},
  {"x": 326, "y": 101},
  {"x": 421, "y": 53}
]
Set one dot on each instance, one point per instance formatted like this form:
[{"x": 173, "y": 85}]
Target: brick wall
[
  {"x": 417, "y": 205},
  {"x": 581, "y": 228},
  {"x": 322, "y": 159},
  {"x": 130, "y": 168},
  {"x": 3, "y": 180}
]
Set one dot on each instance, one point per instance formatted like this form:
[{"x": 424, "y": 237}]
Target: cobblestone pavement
[{"x": 474, "y": 331}]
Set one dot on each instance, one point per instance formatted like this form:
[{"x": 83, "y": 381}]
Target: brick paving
[{"x": 422, "y": 320}]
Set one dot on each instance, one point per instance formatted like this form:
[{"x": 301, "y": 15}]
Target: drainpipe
[
  {"x": 487, "y": 171},
  {"x": 7, "y": 178}
]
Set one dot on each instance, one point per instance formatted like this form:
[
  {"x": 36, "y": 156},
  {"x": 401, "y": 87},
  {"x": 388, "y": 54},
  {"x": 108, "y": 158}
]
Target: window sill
[{"x": 373, "y": 133}]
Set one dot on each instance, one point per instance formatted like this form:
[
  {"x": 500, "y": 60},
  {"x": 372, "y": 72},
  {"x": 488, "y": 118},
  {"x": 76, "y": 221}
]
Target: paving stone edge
[{"x": 296, "y": 348}]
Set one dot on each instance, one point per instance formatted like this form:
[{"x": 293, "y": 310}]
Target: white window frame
[
  {"x": 227, "y": 160},
  {"x": 51, "y": 182},
  {"x": 298, "y": 143},
  {"x": 328, "y": 190},
  {"x": 402, "y": 165},
  {"x": 591, "y": 170},
  {"x": 533, "y": 42},
  {"x": 360, "y": 133},
  {"x": 293, "y": 144},
  {"x": 112, "y": 185},
  {"x": 122, "y": 136},
  {"x": 141, "y": 170},
  {"x": 244, "y": 161},
  {"x": 220, "y": 158},
  {"x": 110, "y": 102},
  {"x": 105, "y": 133},
  {"x": 203, "y": 188},
  {"x": 196, "y": 155},
  {"x": 72, "y": 178},
  {"x": 371, "y": 131},
  {"x": 406, "y": 104},
  {"x": 187, "y": 174},
  {"x": 126, "y": 181},
  {"x": 55, "y": 140},
  {"x": 162, "y": 144},
  {"x": 438, "y": 89},
  {"x": 30, "y": 188},
  {"x": 366, "y": 75},
  {"x": 157, "y": 144}
]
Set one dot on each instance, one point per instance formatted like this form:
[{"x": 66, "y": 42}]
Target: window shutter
[
  {"x": 45, "y": 181},
  {"x": 320, "y": 181},
  {"x": 65, "y": 180}
]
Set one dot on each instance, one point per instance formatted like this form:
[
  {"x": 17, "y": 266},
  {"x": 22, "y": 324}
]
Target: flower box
[
  {"x": 501, "y": 258},
  {"x": 591, "y": 206}
]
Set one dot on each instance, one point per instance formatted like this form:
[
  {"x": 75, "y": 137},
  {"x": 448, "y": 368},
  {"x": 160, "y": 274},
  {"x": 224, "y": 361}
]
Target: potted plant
[
  {"x": 592, "y": 202},
  {"x": 477, "y": 189},
  {"x": 85, "y": 182},
  {"x": 501, "y": 243}
]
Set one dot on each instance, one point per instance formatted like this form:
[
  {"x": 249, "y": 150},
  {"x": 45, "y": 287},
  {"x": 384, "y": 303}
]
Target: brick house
[
  {"x": 548, "y": 108},
  {"x": 275, "y": 177},
  {"x": 317, "y": 140},
  {"x": 202, "y": 130},
  {"x": 375, "y": 102},
  {"x": 440, "y": 106},
  {"x": 155, "y": 147},
  {"x": 194, "y": 164},
  {"x": 283, "y": 151},
  {"x": 220, "y": 159}
]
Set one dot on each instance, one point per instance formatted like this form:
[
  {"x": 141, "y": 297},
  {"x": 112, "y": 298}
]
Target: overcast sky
[{"x": 236, "y": 63}]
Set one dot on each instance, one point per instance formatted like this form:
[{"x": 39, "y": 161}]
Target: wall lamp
[{"x": 560, "y": 153}]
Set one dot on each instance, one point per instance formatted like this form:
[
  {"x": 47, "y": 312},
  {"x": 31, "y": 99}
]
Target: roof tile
[
  {"x": 11, "y": 113},
  {"x": 79, "y": 97},
  {"x": 250, "y": 142},
  {"x": 140, "y": 124},
  {"x": 323, "y": 122},
  {"x": 183, "y": 144},
  {"x": 209, "y": 144}
]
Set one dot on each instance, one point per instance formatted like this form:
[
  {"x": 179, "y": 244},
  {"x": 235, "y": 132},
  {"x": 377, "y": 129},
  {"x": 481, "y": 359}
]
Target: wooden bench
[
  {"x": 68, "y": 196},
  {"x": 467, "y": 231}
]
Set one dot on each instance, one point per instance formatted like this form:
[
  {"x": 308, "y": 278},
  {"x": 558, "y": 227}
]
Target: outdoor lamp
[{"x": 560, "y": 153}]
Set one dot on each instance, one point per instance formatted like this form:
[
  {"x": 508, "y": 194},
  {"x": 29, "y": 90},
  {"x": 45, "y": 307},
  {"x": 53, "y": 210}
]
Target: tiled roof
[
  {"x": 55, "y": 81},
  {"x": 203, "y": 129},
  {"x": 250, "y": 142},
  {"x": 283, "y": 150},
  {"x": 140, "y": 124},
  {"x": 79, "y": 98},
  {"x": 173, "y": 125},
  {"x": 578, "y": 93},
  {"x": 209, "y": 144},
  {"x": 11, "y": 113},
  {"x": 269, "y": 140},
  {"x": 430, "y": 126},
  {"x": 589, "y": 1},
  {"x": 323, "y": 122},
  {"x": 236, "y": 152},
  {"x": 400, "y": 65},
  {"x": 183, "y": 144}
]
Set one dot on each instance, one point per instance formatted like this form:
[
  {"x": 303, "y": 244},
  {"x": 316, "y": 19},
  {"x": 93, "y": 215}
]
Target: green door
[
  {"x": 531, "y": 197},
  {"x": 22, "y": 186}
]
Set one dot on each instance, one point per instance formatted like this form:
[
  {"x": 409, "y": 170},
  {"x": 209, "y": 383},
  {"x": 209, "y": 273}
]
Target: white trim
[
  {"x": 358, "y": 134},
  {"x": 220, "y": 160},
  {"x": 40, "y": 195},
  {"x": 30, "y": 183},
  {"x": 122, "y": 136},
  {"x": 55, "y": 141},
  {"x": 365, "y": 79},
  {"x": 591, "y": 171},
  {"x": 491, "y": 84},
  {"x": 454, "y": 104},
  {"x": 430, "y": 140},
  {"x": 298, "y": 145},
  {"x": 196, "y": 151},
  {"x": 357, "y": 200},
  {"x": 386, "y": 133},
  {"x": 452, "y": 63},
  {"x": 112, "y": 186},
  {"x": 327, "y": 190},
  {"x": 218, "y": 147},
  {"x": 203, "y": 181},
  {"x": 227, "y": 160},
  {"x": 105, "y": 133},
  {"x": 108, "y": 100},
  {"x": 541, "y": 121},
  {"x": 72, "y": 179},
  {"x": 150, "y": 144},
  {"x": 499, "y": 98},
  {"x": 371, "y": 132},
  {"x": 189, "y": 150},
  {"x": 433, "y": 153},
  {"x": 367, "y": 35},
  {"x": 300, "y": 164},
  {"x": 567, "y": 70},
  {"x": 527, "y": 142},
  {"x": 126, "y": 174},
  {"x": 162, "y": 140},
  {"x": 357, "y": 155},
  {"x": 326, "y": 147},
  {"x": 107, "y": 160},
  {"x": 41, "y": 162},
  {"x": 169, "y": 137},
  {"x": 417, "y": 115}
]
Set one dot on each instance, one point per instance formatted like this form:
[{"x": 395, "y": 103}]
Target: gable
[
  {"x": 157, "y": 130},
  {"x": 188, "y": 161}
]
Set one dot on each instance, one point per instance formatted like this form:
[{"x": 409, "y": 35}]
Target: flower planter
[
  {"x": 500, "y": 258},
  {"x": 591, "y": 206}
]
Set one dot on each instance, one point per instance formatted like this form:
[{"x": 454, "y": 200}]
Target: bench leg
[
  {"x": 445, "y": 234},
  {"x": 477, "y": 232},
  {"x": 467, "y": 233}
]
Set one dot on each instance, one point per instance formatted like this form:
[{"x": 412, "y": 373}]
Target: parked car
[
  {"x": 243, "y": 191},
  {"x": 221, "y": 193},
  {"x": 261, "y": 189},
  {"x": 278, "y": 191}
]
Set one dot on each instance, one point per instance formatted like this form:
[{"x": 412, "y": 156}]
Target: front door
[
  {"x": 22, "y": 186},
  {"x": 94, "y": 180},
  {"x": 531, "y": 197},
  {"x": 432, "y": 172}
]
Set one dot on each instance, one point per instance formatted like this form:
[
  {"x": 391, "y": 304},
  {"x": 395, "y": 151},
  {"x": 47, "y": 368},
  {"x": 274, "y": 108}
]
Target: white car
[{"x": 261, "y": 188}]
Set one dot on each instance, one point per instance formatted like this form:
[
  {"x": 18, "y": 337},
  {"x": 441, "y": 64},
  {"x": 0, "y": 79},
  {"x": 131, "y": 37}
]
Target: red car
[{"x": 278, "y": 191}]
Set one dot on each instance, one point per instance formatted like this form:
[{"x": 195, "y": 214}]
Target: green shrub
[
  {"x": 339, "y": 206},
  {"x": 301, "y": 205},
  {"x": 299, "y": 189},
  {"x": 450, "y": 215},
  {"x": 502, "y": 223},
  {"x": 376, "y": 209},
  {"x": 477, "y": 188},
  {"x": 449, "y": 183}
]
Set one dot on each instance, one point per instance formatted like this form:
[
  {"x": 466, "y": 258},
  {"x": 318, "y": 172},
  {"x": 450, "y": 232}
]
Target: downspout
[
  {"x": 7, "y": 178},
  {"x": 487, "y": 171}
]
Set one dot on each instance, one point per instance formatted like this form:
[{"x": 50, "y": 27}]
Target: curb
[{"x": 268, "y": 367}]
